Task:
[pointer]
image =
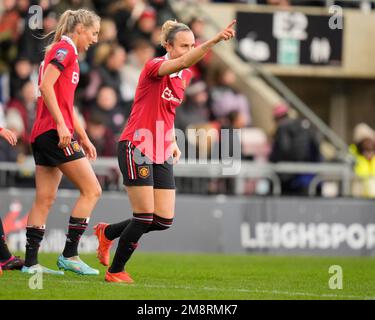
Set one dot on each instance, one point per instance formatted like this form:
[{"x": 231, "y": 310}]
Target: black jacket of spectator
[{"x": 295, "y": 141}]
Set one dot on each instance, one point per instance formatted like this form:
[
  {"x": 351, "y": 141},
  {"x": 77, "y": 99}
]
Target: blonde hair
[
  {"x": 169, "y": 30},
  {"x": 69, "y": 20},
  {"x": 105, "y": 26},
  {"x": 104, "y": 51}
]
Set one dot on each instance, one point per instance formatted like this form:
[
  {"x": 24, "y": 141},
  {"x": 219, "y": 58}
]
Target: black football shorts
[
  {"x": 47, "y": 153},
  {"x": 136, "y": 172}
]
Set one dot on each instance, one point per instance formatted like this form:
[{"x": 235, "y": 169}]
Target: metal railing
[{"x": 340, "y": 172}]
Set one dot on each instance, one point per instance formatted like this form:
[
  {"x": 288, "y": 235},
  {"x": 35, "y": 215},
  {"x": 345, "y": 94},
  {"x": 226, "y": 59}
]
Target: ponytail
[{"x": 69, "y": 20}]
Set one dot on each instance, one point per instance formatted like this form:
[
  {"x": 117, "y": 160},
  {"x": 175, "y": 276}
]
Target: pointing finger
[{"x": 231, "y": 24}]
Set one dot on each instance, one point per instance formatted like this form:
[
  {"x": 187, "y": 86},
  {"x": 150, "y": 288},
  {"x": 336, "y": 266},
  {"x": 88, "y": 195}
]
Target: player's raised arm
[{"x": 177, "y": 41}]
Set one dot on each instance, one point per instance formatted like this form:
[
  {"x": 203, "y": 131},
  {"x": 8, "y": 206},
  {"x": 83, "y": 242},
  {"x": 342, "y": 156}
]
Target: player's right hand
[
  {"x": 9, "y": 136},
  {"x": 64, "y": 136}
]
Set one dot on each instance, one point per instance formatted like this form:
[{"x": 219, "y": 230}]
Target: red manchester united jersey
[
  {"x": 151, "y": 121},
  {"x": 64, "y": 56}
]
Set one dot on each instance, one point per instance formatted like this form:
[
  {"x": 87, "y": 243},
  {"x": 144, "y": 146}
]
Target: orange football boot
[
  {"x": 104, "y": 246},
  {"x": 118, "y": 277}
]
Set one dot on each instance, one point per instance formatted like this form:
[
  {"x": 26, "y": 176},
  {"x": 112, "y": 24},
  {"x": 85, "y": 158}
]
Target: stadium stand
[{"x": 109, "y": 71}]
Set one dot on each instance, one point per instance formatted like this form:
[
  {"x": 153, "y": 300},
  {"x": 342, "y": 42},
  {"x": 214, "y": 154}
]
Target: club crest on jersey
[
  {"x": 61, "y": 54},
  {"x": 143, "y": 172},
  {"x": 76, "y": 147}
]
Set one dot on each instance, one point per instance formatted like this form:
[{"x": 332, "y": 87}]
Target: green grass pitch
[{"x": 175, "y": 276}]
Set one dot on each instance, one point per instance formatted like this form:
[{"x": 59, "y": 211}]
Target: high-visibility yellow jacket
[{"x": 363, "y": 167}]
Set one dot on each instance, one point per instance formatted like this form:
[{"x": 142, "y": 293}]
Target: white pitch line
[
  {"x": 276, "y": 292},
  {"x": 261, "y": 291}
]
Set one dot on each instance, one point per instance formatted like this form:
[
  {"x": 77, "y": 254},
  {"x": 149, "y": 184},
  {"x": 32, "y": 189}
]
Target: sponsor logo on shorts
[{"x": 143, "y": 172}]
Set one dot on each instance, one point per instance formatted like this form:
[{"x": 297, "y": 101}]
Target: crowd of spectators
[
  {"x": 307, "y": 3},
  {"x": 109, "y": 72}
]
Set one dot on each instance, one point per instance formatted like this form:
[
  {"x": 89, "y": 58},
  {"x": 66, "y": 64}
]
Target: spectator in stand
[
  {"x": 24, "y": 5},
  {"x": 20, "y": 74},
  {"x": 23, "y": 108},
  {"x": 19, "y": 151},
  {"x": 197, "y": 26},
  {"x": 125, "y": 14},
  {"x": 106, "y": 105},
  {"x": 107, "y": 37},
  {"x": 63, "y": 5},
  {"x": 195, "y": 108},
  {"x": 109, "y": 60},
  {"x": 107, "y": 34},
  {"x": 194, "y": 117},
  {"x": 9, "y": 22},
  {"x": 311, "y": 3},
  {"x": 163, "y": 11},
  {"x": 144, "y": 26},
  {"x": 101, "y": 136},
  {"x": 294, "y": 141},
  {"x": 105, "y": 143},
  {"x": 108, "y": 31},
  {"x": 103, "y": 7},
  {"x": 142, "y": 52},
  {"x": 8, "y": 152},
  {"x": 281, "y": 3},
  {"x": 363, "y": 150},
  {"x": 225, "y": 99},
  {"x": 155, "y": 40},
  {"x": 32, "y": 43}
]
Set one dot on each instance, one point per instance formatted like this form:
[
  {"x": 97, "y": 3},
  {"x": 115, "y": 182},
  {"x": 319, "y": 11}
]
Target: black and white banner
[{"x": 289, "y": 38}]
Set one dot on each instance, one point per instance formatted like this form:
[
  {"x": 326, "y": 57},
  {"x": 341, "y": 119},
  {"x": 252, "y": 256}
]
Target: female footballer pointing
[
  {"x": 54, "y": 149},
  {"x": 146, "y": 146}
]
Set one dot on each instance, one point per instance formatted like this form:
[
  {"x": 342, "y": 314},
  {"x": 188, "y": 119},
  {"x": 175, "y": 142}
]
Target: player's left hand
[
  {"x": 9, "y": 136},
  {"x": 227, "y": 33},
  {"x": 89, "y": 149},
  {"x": 176, "y": 153}
]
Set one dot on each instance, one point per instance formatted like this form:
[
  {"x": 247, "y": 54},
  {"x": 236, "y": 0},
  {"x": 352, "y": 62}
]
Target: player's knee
[
  {"x": 98, "y": 191},
  {"x": 46, "y": 200},
  {"x": 94, "y": 192}
]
